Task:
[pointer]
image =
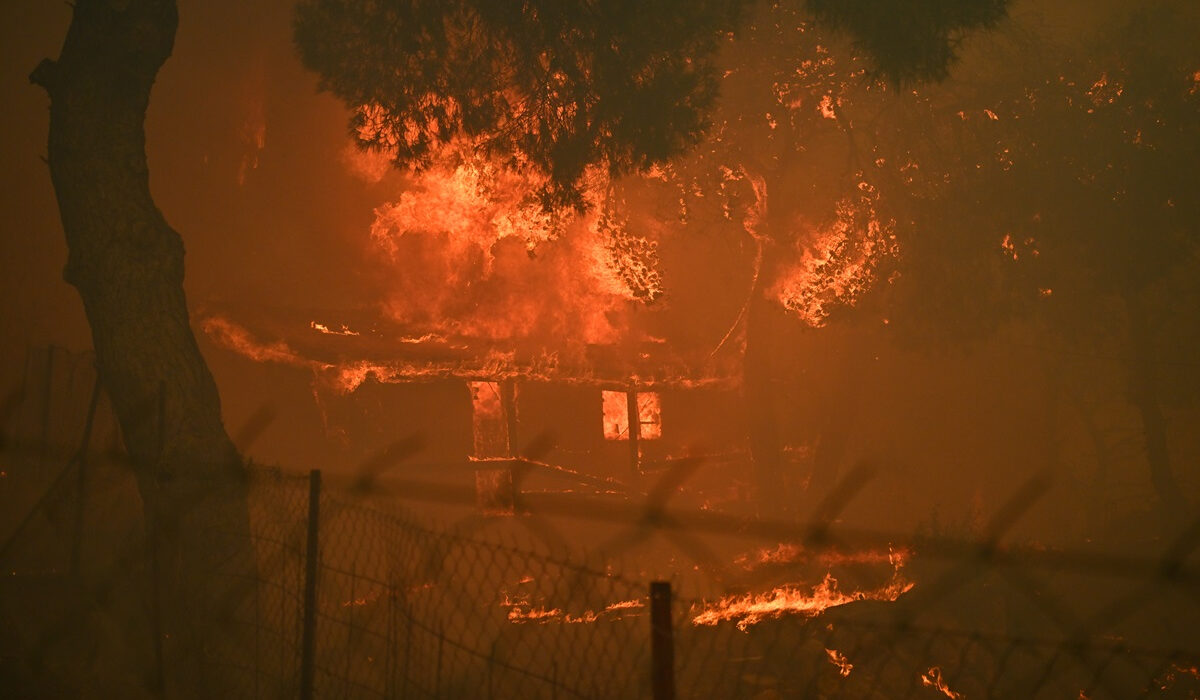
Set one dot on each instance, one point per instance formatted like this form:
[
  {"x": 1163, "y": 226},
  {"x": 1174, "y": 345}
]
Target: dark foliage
[
  {"x": 909, "y": 40},
  {"x": 556, "y": 85}
]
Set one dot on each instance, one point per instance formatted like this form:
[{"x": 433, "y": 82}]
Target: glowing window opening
[{"x": 615, "y": 407}]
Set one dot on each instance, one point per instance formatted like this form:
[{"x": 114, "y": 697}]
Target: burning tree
[{"x": 572, "y": 94}]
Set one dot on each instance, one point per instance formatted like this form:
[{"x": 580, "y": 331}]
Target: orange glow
[
  {"x": 615, "y": 409},
  {"x": 1105, "y": 91},
  {"x": 839, "y": 659},
  {"x": 616, "y": 415},
  {"x": 649, "y": 415},
  {"x": 838, "y": 264},
  {"x": 828, "y": 107},
  {"x": 367, "y": 165},
  {"x": 471, "y": 251},
  {"x": 235, "y": 337},
  {"x": 752, "y": 608},
  {"x": 488, "y": 420},
  {"x": 787, "y": 553},
  {"x": 933, "y": 679},
  {"x": 1009, "y": 247},
  {"x": 322, "y": 328},
  {"x": 521, "y": 612},
  {"x": 782, "y": 553}
]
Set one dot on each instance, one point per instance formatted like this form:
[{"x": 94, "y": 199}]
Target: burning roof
[{"x": 346, "y": 348}]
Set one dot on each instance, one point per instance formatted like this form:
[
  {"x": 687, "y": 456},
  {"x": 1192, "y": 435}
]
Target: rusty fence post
[
  {"x": 662, "y": 643},
  {"x": 309, "y": 638}
]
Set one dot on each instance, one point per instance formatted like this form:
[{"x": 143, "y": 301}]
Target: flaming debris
[
  {"x": 839, "y": 659},
  {"x": 750, "y": 609},
  {"x": 521, "y": 612},
  {"x": 840, "y": 263},
  {"x": 933, "y": 679},
  {"x": 322, "y": 328}
]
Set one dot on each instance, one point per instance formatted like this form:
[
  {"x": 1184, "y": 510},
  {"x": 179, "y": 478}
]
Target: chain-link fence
[{"x": 352, "y": 595}]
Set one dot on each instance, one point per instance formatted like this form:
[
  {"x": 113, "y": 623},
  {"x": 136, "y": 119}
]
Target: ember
[{"x": 933, "y": 679}]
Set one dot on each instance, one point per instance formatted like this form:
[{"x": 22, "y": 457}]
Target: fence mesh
[{"x": 512, "y": 606}]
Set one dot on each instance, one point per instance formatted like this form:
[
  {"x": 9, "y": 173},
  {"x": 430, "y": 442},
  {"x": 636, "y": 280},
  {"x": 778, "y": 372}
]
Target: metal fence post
[
  {"x": 309, "y": 638},
  {"x": 662, "y": 646}
]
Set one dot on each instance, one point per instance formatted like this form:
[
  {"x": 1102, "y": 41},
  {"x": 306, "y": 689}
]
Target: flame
[
  {"x": 752, "y": 608},
  {"x": 1105, "y": 91},
  {"x": 933, "y": 679},
  {"x": 782, "y": 553},
  {"x": 839, "y": 659},
  {"x": 1009, "y": 247},
  {"x": 839, "y": 264},
  {"x": 788, "y": 553},
  {"x": 322, "y": 328},
  {"x": 235, "y": 337},
  {"x": 520, "y": 612},
  {"x": 471, "y": 249},
  {"x": 828, "y": 107},
  {"x": 615, "y": 409}
]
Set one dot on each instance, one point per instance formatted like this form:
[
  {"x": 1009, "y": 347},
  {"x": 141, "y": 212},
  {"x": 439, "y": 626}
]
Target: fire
[
  {"x": 1175, "y": 672},
  {"x": 828, "y": 107},
  {"x": 838, "y": 265},
  {"x": 360, "y": 602},
  {"x": 839, "y": 659},
  {"x": 237, "y": 338},
  {"x": 788, "y": 553},
  {"x": 471, "y": 249},
  {"x": 752, "y": 608},
  {"x": 933, "y": 679},
  {"x": 520, "y": 612},
  {"x": 322, "y": 328},
  {"x": 615, "y": 407}
]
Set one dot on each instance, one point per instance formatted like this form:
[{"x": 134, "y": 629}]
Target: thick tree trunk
[{"x": 127, "y": 264}]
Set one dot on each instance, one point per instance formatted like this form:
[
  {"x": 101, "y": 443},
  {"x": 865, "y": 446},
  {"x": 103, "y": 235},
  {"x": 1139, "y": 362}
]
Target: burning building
[{"x": 602, "y": 419}]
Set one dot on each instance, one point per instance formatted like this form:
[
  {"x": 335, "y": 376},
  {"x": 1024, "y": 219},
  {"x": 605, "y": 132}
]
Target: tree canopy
[
  {"x": 553, "y": 85},
  {"x": 561, "y": 86}
]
